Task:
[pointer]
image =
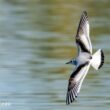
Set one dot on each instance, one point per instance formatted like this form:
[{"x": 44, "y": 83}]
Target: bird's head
[{"x": 73, "y": 62}]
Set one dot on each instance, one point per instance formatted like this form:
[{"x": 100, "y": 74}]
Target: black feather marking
[
  {"x": 67, "y": 99},
  {"x": 82, "y": 46},
  {"x": 77, "y": 70},
  {"x": 102, "y": 60}
]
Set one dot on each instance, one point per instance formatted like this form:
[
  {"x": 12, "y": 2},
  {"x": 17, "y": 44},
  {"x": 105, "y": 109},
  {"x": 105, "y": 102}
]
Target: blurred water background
[{"x": 36, "y": 40}]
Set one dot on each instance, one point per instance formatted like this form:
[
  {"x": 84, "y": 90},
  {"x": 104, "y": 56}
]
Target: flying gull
[{"x": 84, "y": 59}]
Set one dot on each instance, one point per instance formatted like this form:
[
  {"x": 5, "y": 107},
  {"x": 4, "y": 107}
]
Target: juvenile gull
[{"x": 84, "y": 59}]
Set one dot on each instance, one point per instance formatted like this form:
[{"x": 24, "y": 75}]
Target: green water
[{"x": 36, "y": 40}]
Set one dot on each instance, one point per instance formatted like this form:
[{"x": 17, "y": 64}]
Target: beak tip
[{"x": 67, "y": 62}]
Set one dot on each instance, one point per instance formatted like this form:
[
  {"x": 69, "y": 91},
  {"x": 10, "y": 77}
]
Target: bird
[{"x": 84, "y": 59}]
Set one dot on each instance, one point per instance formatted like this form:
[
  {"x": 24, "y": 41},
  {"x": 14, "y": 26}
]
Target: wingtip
[
  {"x": 70, "y": 98},
  {"x": 85, "y": 12},
  {"x": 69, "y": 102}
]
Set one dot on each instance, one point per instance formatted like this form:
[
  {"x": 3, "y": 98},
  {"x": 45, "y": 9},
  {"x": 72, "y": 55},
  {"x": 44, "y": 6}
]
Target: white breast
[{"x": 83, "y": 57}]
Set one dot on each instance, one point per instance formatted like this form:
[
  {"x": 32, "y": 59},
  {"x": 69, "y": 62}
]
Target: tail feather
[
  {"x": 97, "y": 59},
  {"x": 102, "y": 59}
]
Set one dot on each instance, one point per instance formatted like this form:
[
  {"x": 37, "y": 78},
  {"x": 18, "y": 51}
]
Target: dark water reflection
[{"x": 36, "y": 41}]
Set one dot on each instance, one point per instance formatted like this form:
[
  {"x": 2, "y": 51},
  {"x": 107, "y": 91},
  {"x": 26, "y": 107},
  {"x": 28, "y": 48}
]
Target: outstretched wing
[
  {"x": 82, "y": 37},
  {"x": 75, "y": 82}
]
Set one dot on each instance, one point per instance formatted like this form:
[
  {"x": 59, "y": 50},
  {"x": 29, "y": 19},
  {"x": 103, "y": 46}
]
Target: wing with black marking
[
  {"x": 82, "y": 37},
  {"x": 75, "y": 82}
]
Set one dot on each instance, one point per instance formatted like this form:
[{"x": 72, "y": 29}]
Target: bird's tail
[{"x": 97, "y": 59}]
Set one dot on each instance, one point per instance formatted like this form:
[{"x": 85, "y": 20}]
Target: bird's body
[{"x": 84, "y": 59}]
